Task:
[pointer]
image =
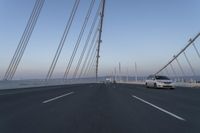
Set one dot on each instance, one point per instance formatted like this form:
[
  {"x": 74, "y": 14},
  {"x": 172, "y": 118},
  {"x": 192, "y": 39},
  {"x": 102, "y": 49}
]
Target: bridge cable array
[
  {"x": 78, "y": 40},
  {"x": 87, "y": 42},
  {"x": 89, "y": 52},
  {"x": 176, "y": 60},
  {"x": 90, "y": 49},
  {"x": 92, "y": 64},
  {"x": 62, "y": 41},
  {"x": 24, "y": 40},
  {"x": 92, "y": 55}
]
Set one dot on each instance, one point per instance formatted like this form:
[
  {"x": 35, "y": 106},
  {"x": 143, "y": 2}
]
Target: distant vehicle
[
  {"x": 158, "y": 81},
  {"x": 108, "y": 80}
]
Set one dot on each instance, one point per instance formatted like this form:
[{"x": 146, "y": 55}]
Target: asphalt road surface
[{"x": 100, "y": 108}]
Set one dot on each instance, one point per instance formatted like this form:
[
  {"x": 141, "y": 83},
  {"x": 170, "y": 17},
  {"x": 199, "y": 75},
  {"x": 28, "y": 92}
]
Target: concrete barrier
[
  {"x": 16, "y": 84},
  {"x": 176, "y": 84}
]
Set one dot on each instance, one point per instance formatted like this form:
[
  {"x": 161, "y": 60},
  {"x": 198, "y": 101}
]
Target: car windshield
[{"x": 162, "y": 78}]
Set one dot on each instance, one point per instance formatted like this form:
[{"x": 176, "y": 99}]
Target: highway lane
[
  {"x": 99, "y": 108},
  {"x": 183, "y": 101}
]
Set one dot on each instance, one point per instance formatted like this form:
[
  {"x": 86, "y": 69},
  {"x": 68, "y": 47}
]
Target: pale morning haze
[{"x": 146, "y": 32}]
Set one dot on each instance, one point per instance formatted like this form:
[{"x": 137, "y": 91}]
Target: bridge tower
[{"x": 99, "y": 38}]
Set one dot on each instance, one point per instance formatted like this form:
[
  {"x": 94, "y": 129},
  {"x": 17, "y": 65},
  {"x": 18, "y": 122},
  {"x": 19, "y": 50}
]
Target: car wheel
[{"x": 155, "y": 85}]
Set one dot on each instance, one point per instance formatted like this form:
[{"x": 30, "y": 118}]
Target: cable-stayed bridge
[
  {"x": 82, "y": 101},
  {"x": 84, "y": 58},
  {"x": 88, "y": 56}
]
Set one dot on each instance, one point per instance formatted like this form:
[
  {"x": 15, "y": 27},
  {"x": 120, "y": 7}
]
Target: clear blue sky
[{"x": 148, "y": 32}]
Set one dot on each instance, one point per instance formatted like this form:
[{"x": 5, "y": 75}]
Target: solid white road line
[
  {"x": 55, "y": 98},
  {"x": 163, "y": 110}
]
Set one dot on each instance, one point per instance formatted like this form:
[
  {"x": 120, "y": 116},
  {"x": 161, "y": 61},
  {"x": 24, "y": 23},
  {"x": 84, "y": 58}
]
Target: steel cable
[
  {"x": 79, "y": 39},
  {"x": 24, "y": 40},
  {"x": 62, "y": 41},
  {"x": 190, "y": 65},
  {"x": 91, "y": 58},
  {"x": 92, "y": 44},
  {"x": 87, "y": 42},
  {"x": 27, "y": 39}
]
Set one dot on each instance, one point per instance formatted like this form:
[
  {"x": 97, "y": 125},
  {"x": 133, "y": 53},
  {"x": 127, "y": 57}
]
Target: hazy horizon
[{"x": 146, "y": 32}]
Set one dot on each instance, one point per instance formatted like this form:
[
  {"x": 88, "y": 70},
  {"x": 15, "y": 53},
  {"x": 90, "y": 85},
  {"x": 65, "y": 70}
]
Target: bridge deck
[{"x": 100, "y": 108}]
